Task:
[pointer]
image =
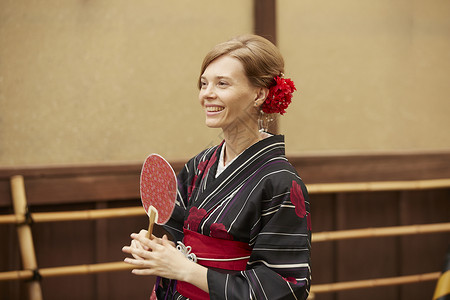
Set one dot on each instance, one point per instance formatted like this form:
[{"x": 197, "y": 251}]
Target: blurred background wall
[
  {"x": 111, "y": 81},
  {"x": 373, "y": 75},
  {"x": 107, "y": 81}
]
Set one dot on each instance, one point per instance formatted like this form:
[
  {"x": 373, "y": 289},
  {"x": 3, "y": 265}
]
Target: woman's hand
[
  {"x": 159, "y": 257},
  {"x": 136, "y": 244},
  {"x": 156, "y": 256}
]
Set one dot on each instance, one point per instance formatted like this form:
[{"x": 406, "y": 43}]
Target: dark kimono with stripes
[{"x": 258, "y": 199}]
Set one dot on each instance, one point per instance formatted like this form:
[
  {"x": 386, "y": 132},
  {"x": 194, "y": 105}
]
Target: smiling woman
[{"x": 242, "y": 219}]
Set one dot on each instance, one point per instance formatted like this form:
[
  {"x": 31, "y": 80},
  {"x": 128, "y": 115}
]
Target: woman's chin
[{"x": 212, "y": 124}]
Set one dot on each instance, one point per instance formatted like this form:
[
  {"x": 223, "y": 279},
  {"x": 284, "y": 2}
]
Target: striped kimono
[{"x": 258, "y": 200}]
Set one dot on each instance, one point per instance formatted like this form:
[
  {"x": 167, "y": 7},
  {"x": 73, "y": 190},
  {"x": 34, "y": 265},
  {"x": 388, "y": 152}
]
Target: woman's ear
[{"x": 261, "y": 96}]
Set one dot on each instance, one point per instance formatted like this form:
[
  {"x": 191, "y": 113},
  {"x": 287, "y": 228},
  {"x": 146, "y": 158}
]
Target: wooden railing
[{"x": 23, "y": 219}]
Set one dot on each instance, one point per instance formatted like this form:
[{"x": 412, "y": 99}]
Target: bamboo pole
[
  {"x": 316, "y": 237},
  {"x": 86, "y": 269},
  {"x": 370, "y": 283},
  {"x": 379, "y": 232},
  {"x": 121, "y": 266},
  {"x": 16, "y": 275},
  {"x": 25, "y": 237},
  {"x": 92, "y": 214},
  {"x": 318, "y": 188},
  {"x": 375, "y": 186},
  {"x": 11, "y": 219},
  {"x": 89, "y": 214},
  {"x": 67, "y": 270}
]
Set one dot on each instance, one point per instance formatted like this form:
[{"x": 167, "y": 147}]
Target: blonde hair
[{"x": 261, "y": 59}]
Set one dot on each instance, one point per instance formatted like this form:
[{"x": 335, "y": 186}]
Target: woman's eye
[
  {"x": 222, "y": 83},
  {"x": 203, "y": 84}
]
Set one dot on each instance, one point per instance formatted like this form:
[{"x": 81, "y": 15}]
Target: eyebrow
[{"x": 218, "y": 77}]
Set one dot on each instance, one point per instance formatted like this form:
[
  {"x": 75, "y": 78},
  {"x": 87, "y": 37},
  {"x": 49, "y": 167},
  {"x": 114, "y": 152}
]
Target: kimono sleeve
[{"x": 279, "y": 265}]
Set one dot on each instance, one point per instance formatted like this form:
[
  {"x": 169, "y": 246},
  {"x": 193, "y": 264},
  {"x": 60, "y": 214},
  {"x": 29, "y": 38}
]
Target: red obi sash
[{"x": 216, "y": 253}]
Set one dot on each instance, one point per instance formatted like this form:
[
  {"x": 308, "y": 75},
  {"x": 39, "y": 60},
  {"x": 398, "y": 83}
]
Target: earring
[{"x": 263, "y": 121}]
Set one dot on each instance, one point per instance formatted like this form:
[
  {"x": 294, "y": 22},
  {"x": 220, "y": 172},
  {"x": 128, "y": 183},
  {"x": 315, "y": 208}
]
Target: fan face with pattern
[{"x": 158, "y": 189}]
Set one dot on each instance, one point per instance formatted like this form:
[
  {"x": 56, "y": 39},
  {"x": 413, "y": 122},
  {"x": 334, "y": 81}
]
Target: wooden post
[
  {"x": 25, "y": 238},
  {"x": 265, "y": 25}
]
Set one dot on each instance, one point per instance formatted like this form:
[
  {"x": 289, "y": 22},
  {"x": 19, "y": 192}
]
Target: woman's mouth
[{"x": 213, "y": 109}]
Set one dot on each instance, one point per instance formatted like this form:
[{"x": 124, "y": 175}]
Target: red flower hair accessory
[{"x": 279, "y": 97}]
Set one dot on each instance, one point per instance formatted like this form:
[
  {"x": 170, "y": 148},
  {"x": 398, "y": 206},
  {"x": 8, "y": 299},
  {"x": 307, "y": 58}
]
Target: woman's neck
[{"x": 239, "y": 139}]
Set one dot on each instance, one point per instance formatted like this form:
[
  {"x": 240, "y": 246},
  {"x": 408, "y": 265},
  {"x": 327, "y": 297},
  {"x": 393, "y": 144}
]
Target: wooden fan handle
[{"x": 151, "y": 219}]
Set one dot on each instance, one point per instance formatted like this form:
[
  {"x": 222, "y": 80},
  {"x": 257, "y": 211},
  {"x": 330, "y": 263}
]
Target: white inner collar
[{"x": 221, "y": 167}]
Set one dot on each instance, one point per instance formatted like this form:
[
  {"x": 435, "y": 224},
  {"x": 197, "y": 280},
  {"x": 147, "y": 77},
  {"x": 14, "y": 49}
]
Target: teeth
[{"x": 214, "y": 108}]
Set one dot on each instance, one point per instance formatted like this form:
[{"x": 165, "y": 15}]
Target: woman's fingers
[
  {"x": 143, "y": 267},
  {"x": 140, "y": 245},
  {"x": 142, "y": 272},
  {"x": 140, "y": 253},
  {"x": 136, "y": 245},
  {"x": 147, "y": 244},
  {"x": 138, "y": 262}
]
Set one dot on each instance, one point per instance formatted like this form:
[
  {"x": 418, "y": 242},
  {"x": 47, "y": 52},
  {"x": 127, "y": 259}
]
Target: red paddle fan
[{"x": 158, "y": 186}]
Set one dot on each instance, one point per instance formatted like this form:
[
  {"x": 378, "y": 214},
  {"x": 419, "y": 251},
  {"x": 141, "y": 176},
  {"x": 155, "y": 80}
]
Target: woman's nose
[{"x": 208, "y": 91}]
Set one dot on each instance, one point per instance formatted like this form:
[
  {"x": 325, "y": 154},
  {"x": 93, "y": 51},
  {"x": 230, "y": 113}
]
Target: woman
[{"x": 242, "y": 218}]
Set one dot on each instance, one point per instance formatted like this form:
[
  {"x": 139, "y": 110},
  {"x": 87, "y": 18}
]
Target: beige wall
[
  {"x": 372, "y": 75},
  {"x": 107, "y": 81},
  {"x": 111, "y": 81}
]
